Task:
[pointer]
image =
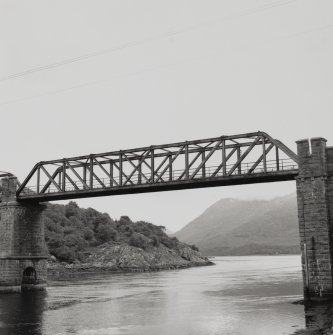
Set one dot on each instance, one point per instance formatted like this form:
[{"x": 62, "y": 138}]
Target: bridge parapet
[
  {"x": 8, "y": 187},
  {"x": 312, "y": 157}
]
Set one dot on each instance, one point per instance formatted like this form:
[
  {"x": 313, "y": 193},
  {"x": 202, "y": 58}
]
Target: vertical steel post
[
  {"x": 238, "y": 158},
  {"x": 277, "y": 158},
  {"x": 152, "y": 166},
  {"x": 59, "y": 179},
  {"x": 187, "y": 170},
  {"x": 224, "y": 166},
  {"x": 85, "y": 176},
  {"x": 139, "y": 172},
  {"x": 203, "y": 169},
  {"x": 111, "y": 173},
  {"x": 170, "y": 168},
  {"x": 264, "y": 153},
  {"x": 38, "y": 179},
  {"x": 63, "y": 176},
  {"x": 120, "y": 169},
  {"x": 91, "y": 173}
]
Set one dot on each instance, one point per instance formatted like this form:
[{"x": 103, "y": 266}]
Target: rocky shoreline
[{"x": 121, "y": 257}]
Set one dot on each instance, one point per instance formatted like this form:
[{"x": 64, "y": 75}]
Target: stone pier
[
  {"x": 315, "y": 213},
  {"x": 22, "y": 249}
]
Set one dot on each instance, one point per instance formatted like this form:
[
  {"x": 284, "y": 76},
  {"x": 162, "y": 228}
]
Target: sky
[{"x": 86, "y": 76}]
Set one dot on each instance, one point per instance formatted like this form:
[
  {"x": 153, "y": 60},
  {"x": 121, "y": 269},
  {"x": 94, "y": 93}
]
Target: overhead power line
[
  {"x": 159, "y": 67},
  {"x": 135, "y": 43}
]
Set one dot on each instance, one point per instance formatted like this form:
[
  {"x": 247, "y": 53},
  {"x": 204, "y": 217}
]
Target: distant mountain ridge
[{"x": 244, "y": 227}]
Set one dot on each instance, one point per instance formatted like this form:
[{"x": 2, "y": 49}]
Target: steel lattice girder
[{"x": 224, "y": 160}]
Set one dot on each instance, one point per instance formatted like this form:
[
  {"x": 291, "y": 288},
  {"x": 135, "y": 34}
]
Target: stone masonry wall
[
  {"x": 6, "y": 231},
  {"x": 22, "y": 242},
  {"x": 12, "y": 269},
  {"x": 314, "y": 190}
]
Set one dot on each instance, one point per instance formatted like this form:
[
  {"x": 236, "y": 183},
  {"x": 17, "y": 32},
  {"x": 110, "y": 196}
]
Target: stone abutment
[
  {"x": 315, "y": 213},
  {"x": 22, "y": 242}
]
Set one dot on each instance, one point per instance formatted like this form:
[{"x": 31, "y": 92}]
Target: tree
[
  {"x": 105, "y": 233},
  {"x": 71, "y": 209},
  {"x": 139, "y": 241}
]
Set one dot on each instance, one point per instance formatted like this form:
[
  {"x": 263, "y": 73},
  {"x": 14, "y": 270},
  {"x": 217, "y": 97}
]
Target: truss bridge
[{"x": 225, "y": 160}]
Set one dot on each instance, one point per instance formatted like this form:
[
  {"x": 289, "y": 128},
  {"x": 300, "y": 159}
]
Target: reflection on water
[
  {"x": 318, "y": 317},
  {"x": 240, "y": 295},
  {"x": 22, "y": 313}
]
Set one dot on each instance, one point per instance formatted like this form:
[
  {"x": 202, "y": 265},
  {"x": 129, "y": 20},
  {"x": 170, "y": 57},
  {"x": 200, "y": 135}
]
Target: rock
[{"x": 123, "y": 257}]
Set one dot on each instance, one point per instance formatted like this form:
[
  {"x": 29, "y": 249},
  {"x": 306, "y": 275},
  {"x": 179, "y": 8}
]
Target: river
[{"x": 239, "y": 295}]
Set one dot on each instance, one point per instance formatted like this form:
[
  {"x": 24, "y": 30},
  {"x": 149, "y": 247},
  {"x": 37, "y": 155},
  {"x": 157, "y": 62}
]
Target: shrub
[
  {"x": 52, "y": 226},
  {"x": 54, "y": 240},
  {"x": 156, "y": 241},
  {"x": 194, "y": 247},
  {"x": 139, "y": 241},
  {"x": 170, "y": 242},
  {"x": 69, "y": 230},
  {"x": 88, "y": 234},
  {"x": 64, "y": 254},
  {"x": 76, "y": 242}
]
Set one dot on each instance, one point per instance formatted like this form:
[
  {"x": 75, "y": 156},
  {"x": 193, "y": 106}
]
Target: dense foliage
[{"x": 70, "y": 231}]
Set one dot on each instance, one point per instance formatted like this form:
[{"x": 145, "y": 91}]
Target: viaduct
[{"x": 225, "y": 160}]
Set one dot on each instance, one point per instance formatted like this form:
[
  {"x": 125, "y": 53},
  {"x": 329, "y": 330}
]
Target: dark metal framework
[{"x": 226, "y": 160}]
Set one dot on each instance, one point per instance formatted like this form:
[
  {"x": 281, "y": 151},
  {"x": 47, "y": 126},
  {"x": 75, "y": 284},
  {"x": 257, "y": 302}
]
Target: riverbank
[{"x": 121, "y": 257}]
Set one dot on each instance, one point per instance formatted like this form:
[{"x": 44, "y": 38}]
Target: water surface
[{"x": 239, "y": 295}]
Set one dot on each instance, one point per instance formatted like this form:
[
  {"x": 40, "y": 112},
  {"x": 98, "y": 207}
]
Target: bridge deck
[{"x": 166, "y": 186}]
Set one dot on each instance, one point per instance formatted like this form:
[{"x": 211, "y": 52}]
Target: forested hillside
[{"x": 72, "y": 232}]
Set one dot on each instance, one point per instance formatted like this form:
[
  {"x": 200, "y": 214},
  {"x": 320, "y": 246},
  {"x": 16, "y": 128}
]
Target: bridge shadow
[
  {"x": 318, "y": 318},
  {"x": 22, "y": 314}
]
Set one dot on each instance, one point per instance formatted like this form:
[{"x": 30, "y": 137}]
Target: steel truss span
[{"x": 225, "y": 160}]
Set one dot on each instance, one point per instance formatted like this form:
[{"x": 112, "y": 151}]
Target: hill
[
  {"x": 88, "y": 239},
  {"x": 239, "y": 227}
]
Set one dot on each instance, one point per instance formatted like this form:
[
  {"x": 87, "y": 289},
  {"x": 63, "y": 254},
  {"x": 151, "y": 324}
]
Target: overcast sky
[{"x": 86, "y": 76}]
